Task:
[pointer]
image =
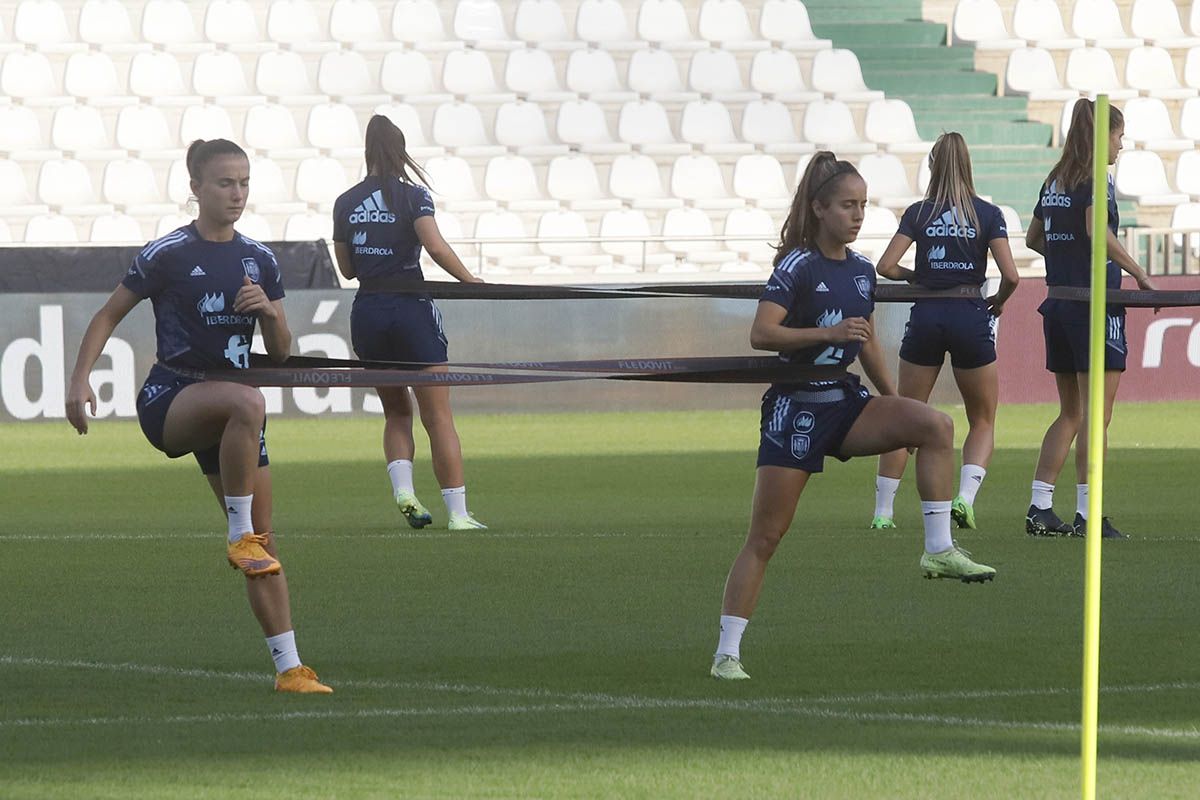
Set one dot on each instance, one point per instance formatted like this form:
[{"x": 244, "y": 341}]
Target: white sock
[
  {"x": 400, "y": 471},
  {"x": 936, "y": 514},
  {"x": 456, "y": 500},
  {"x": 283, "y": 651},
  {"x": 237, "y": 512},
  {"x": 970, "y": 478},
  {"x": 1043, "y": 495},
  {"x": 1081, "y": 499},
  {"x": 885, "y": 495},
  {"x": 732, "y": 629}
]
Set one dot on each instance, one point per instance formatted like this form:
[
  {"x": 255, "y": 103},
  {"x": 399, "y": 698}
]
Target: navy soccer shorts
[
  {"x": 799, "y": 429},
  {"x": 397, "y": 327},
  {"x": 1067, "y": 344},
  {"x": 962, "y": 328}
]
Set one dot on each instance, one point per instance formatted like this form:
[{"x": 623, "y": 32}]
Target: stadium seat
[
  {"x": 592, "y": 73},
  {"x": 568, "y": 225},
  {"x": 1099, "y": 22},
  {"x": 333, "y": 128},
  {"x": 1157, "y": 21},
  {"x": 405, "y": 118},
  {"x": 644, "y": 125},
  {"x": 582, "y": 124},
  {"x": 106, "y": 24},
  {"x": 1148, "y": 123},
  {"x": 654, "y": 73},
  {"x": 256, "y": 227},
  {"x": 830, "y": 125},
  {"x": 459, "y": 127},
  {"x": 758, "y": 178},
  {"x": 1194, "y": 19},
  {"x": 115, "y": 228},
  {"x": 531, "y": 74},
  {"x": 65, "y": 185},
  {"x": 219, "y": 75},
  {"x": 890, "y": 124},
  {"x": 1040, "y": 23},
  {"x": 715, "y": 72},
  {"x": 206, "y": 121},
  {"x": 759, "y": 230},
  {"x": 232, "y": 24},
  {"x": 506, "y": 225},
  {"x": 623, "y": 234},
  {"x": 79, "y": 132},
  {"x": 887, "y": 180},
  {"x": 635, "y": 179},
  {"x": 511, "y": 182},
  {"x": 344, "y": 76},
  {"x": 271, "y": 129},
  {"x": 602, "y": 24},
  {"x": 156, "y": 78},
  {"x": 294, "y": 24},
  {"x": 521, "y": 126},
  {"x": 1091, "y": 70},
  {"x": 707, "y": 126},
  {"x": 786, "y": 23},
  {"x": 541, "y": 23},
  {"x": 698, "y": 180},
  {"x": 467, "y": 74},
  {"x": 42, "y": 25},
  {"x": 408, "y": 75},
  {"x": 480, "y": 23},
  {"x": 1064, "y": 120},
  {"x": 1187, "y": 216},
  {"x": 981, "y": 23},
  {"x": 21, "y": 136},
  {"x": 269, "y": 193},
  {"x": 282, "y": 76},
  {"x": 692, "y": 222},
  {"x": 837, "y": 74},
  {"x": 450, "y": 178},
  {"x": 5, "y": 232},
  {"x": 15, "y": 197},
  {"x": 319, "y": 181},
  {"x": 572, "y": 180},
  {"x": 169, "y": 24},
  {"x": 308, "y": 226},
  {"x": 1031, "y": 71},
  {"x": 179, "y": 189},
  {"x": 1151, "y": 70},
  {"x": 1191, "y": 68},
  {"x": 768, "y": 125},
  {"x": 776, "y": 73},
  {"x": 92, "y": 78},
  {"x": 878, "y": 222},
  {"x": 418, "y": 24},
  {"x": 1141, "y": 176},
  {"x": 665, "y": 24},
  {"x": 1189, "y": 119},
  {"x": 143, "y": 130},
  {"x": 356, "y": 24},
  {"x": 27, "y": 77},
  {"x": 1187, "y": 173},
  {"x": 50, "y": 229},
  {"x": 725, "y": 23}
]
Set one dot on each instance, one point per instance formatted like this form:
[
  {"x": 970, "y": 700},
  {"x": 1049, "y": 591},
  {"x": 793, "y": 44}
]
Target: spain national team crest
[
  {"x": 863, "y": 283},
  {"x": 799, "y": 445},
  {"x": 251, "y": 268}
]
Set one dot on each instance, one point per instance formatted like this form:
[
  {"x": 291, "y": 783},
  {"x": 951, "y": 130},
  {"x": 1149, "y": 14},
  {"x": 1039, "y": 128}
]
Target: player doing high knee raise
[
  {"x": 816, "y": 309},
  {"x": 209, "y": 286},
  {"x": 953, "y": 230}
]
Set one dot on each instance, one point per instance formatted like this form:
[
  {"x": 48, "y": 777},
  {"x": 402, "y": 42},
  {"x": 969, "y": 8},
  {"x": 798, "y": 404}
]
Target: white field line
[{"x": 575, "y": 702}]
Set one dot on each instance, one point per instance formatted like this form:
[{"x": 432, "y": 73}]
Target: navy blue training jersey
[
  {"x": 950, "y": 251},
  {"x": 819, "y": 292},
  {"x": 1068, "y": 248},
  {"x": 382, "y": 240},
  {"x": 192, "y": 283}
]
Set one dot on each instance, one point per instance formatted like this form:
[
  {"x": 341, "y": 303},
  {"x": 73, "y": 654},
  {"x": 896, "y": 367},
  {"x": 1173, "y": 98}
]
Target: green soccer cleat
[
  {"x": 963, "y": 513},
  {"x": 728, "y": 668},
  {"x": 882, "y": 524},
  {"x": 465, "y": 522},
  {"x": 955, "y": 563},
  {"x": 418, "y": 516}
]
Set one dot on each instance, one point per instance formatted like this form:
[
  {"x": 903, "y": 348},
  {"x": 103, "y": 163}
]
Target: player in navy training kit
[
  {"x": 953, "y": 230},
  {"x": 379, "y": 227},
  {"x": 1062, "y": 231},
  {"x": 209, "y": 286},
  {"x": 816, "y": 309}
]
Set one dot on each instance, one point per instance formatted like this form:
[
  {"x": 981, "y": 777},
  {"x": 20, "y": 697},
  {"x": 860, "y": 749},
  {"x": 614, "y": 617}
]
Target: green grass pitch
[{"x": 564, "y": 652}]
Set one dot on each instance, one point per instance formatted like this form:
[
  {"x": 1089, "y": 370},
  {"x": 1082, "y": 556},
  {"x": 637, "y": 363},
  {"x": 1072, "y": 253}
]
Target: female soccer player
[
  {"x": 1061, "y": 231},
  {"x": 209, "y": 285},
  {"x": 816, "y": 309},
  {"x": 954, "y": 230},
  {"x": 379, "y": 228}
]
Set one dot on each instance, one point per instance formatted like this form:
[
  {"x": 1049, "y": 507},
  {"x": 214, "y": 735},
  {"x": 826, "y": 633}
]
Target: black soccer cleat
[
  {"x": 1044, "y": 522},
  {"x": 1107, "y": 531}
]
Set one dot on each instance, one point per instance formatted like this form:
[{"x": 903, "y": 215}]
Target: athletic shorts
[
  {"x": 153, "y": 401},
  {"x": 800, "y": 428},
  {"x": 1067, "y": 344},
  {"x": 962, "y": 328},
  {"x": 397, "y": 327}
]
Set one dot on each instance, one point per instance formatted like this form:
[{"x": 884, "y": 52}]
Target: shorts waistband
[{"x": 834, "y": 394}]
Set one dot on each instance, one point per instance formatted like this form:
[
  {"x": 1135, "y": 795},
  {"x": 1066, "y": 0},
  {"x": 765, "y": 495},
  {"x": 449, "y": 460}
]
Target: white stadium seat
[
  {"x": 42, "y": 24},
  {"x": 726, "y": 23},
  {"x": 21, "y": 136},
  {"x": 1148, "y": 123},
  {"x": 1099, "y": 22},
  {"x": 635, "y": 178},
  {"x": 5, "y": 232},
  {"x": 1187, "y": 216},
  {"x": 879, "y": 222},
  {"x": 776, "y": 73},
  {"x": 450, "y": 178},
  {"x": 92, "y": 77},
  {"x": 572, "y": 180},
  {"x": 1194, "y": 19},
  {"x": 511, "y": 181},
  {"x": 1040, "y": 23},
  {"x": 654, "y": 73},
  {"x": 308, "y": 226},
  {"x": 768, "y": 125},
  {"x": 459, "y": 127},
  {"x": 345, "y": 76},
  {"x": 887, "y": 180},
  {"x": 333, "y": 127},
  {"x": 1031, "y": 71},
  {"x": 698, "y": 180},
  {"x": 1191, "y": 67},
  {"x": 1187, "y": 173},
  {"x": 468, "y": 74},
  {"x": 1151, "y": 70},
  {"x": 270, "y": 128},
  {"x": 116, "y": 228},
  {"x": 156, "y": 78},
  {"x": 480, "y": 23},
  {"x": 592, "y": 73},
  {"x": 688, "y": 222},
  {"x": 981, "y": 23},
  {"x": 758, "y": 178},
  {"x": 106, "y": 24},
  {"x": 79, "y": 131},
  {"x": 356, "y": 24},
  {"x": 1141, "y": 176},
  {"x": 233, "y": 24},
  {"x": 837, "y": 73},
  {"x": 50, "y": 229},
  {"x": 707, "y": 126},
  {"x": 28, "y": 77},
  {"x": 890, "y": 124},
  {"x": 506, "y": 225},
  {"x": 179, "y": 189},
  {"x": 269, "y": 193},
  {"x": 645, "y": 125},
  {"x": 620, "y": 232},
  {"x": 418, "y": 24},
  {"x": 15, "y": 198},
  {"x": 715, "y": 72},
  {"x": 665, "y": 23},
  {"x": 1189, "y": 119},
  {"x": 582, "y": 124},
  {"x": 294, "y": 24},
  {"x": 830, "y": 125},
  {"x": 522, "y": 127},
  {"x": 531, "y": 74},
  {"x": 541, "y": 23},
  {"x": 758, "y": 228},
  {"x": 283, "y": 76},
  {"x": 569, "y": 225},
  {"x": 144, "y": 130},
  {"x": 256, "y": 227},
  {"x": 786, "y": 23},
  {"x": 408, "y": 75},
  {"x": 168, "y": 23},
  {"x": 66, "y": 185},
  {"x": 406, "y": 118},
  {"x": 1157, "y": 21},
  {"x": 219, "y": 74},
  {"x": 1091, "y": 70},
  {"x": 320, "y": 180},
  {"x": 602, "y": 23}
]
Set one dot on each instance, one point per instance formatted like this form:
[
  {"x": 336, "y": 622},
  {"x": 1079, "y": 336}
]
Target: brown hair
[
  {"x": 200, "y": 152},
  {"x": 950, "y": 181},
  {"x": 1074, "y": 167},
  {"x": 387, "y": 155},
  {"x": 821, "y": 177}
]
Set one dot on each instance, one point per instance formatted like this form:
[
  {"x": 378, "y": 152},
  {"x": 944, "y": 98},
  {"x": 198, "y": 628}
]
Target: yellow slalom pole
[{"x": 1095, "y": 440}]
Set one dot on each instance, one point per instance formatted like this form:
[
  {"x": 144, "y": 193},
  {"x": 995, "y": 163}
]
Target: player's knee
[
  {"x": 764, "y": 541},
  {"x": 940, "y": 430},
  {"x": 250, "y": 407}
]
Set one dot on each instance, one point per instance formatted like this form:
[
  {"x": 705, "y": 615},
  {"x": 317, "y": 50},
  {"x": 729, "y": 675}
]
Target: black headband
[{"x": 840, "y": 168}]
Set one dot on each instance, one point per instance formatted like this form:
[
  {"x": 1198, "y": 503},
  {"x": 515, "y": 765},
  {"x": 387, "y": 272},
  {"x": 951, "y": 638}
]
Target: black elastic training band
[{"x": 1135, "y": 298}]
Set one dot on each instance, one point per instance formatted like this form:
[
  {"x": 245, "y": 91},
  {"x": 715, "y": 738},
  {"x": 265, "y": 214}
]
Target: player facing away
[
  {"x": 379, "y": 228},
  {"x": 209, "y": 285},
  {"x": 816, "y": 309},
  {"x": 1062, "y": 231},
  {"x": 954, "y": 230}
]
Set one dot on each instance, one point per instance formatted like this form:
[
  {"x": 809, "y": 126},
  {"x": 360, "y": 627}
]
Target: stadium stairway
[{"x": 907, "y": 57}]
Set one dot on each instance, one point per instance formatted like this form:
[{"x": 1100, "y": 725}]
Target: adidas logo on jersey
[
  {"x": 821, "y": 287},
  {"x": 951, "y": 223},
  {"x": 937, "y": 253},
  {"x": 1054, "y": 198},
  {"x": 211, "y": 303},
  {"x": 372, "y": 209},
  {"x": 197, "y": 272},
  {"x": 359, "y": 238}
]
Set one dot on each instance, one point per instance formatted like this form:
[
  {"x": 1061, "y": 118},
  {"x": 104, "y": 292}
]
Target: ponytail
[
  {"x": 387, "y": 156},
  {"x": 1074, "y": 167}
]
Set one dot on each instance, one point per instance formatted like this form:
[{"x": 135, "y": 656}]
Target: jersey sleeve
[
  {"x": 420, "y": 203},
  {"x": 995, "y": 227},
  {"x": 783, "y": 286},
  {"x": 1038, "y": 212},
  {"x": 341, "y": 223},
  {"x": 145, "y": 277},
  {"x": 272, "y": 278},
  {"x": 908, "y": 222}
]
